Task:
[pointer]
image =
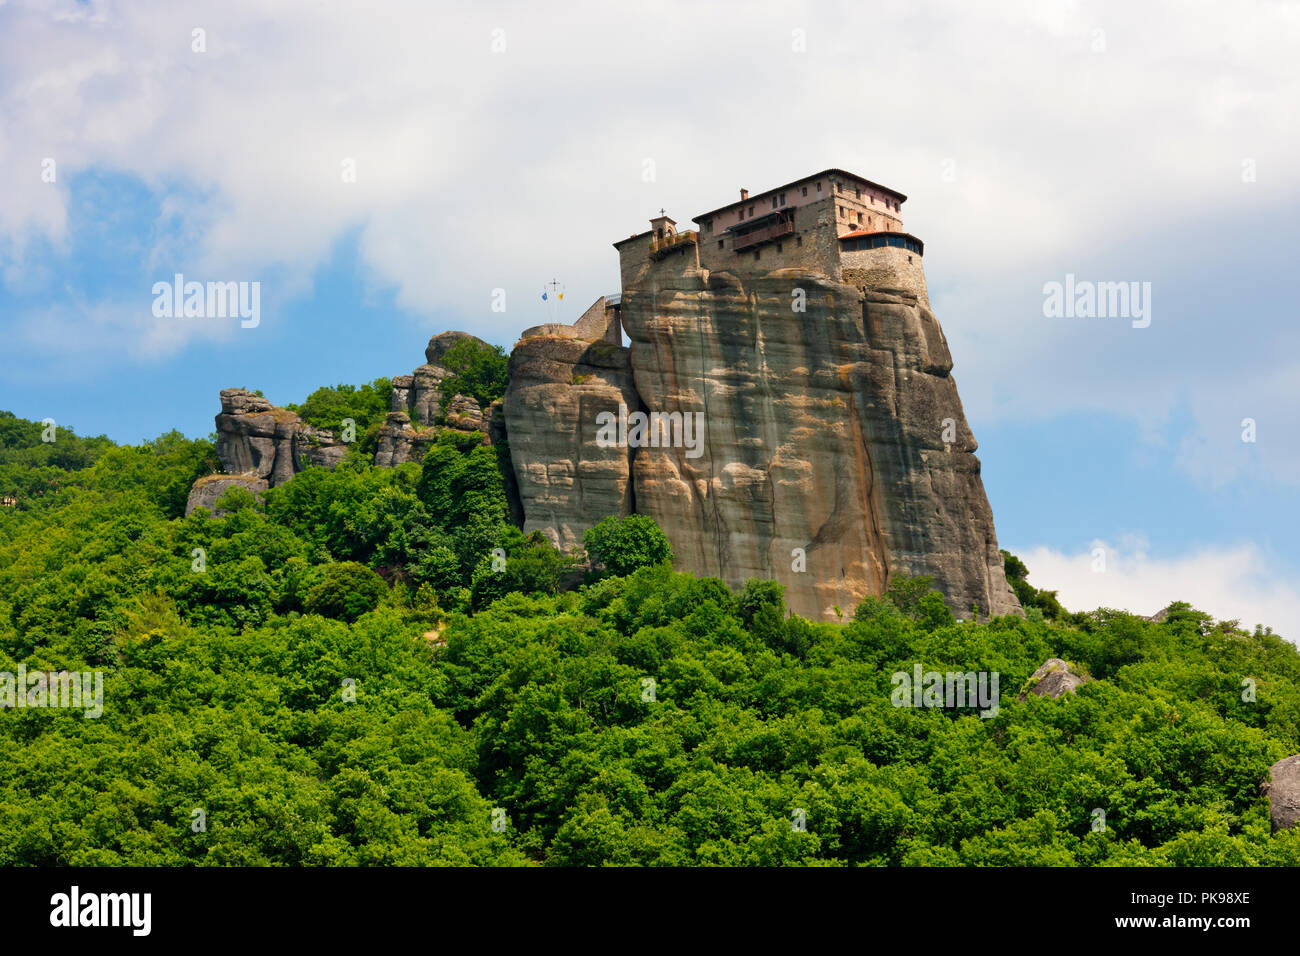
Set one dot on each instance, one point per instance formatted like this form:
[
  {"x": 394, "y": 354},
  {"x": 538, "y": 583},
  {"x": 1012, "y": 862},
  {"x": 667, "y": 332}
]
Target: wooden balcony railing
[
  {"x": 662, "y": 246},
  {"x": 765, "y": 234}
]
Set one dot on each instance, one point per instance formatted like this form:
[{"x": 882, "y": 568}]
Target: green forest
[{"x": 372, "y": 666}]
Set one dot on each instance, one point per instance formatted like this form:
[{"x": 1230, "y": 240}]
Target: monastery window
[
  {"x": 819, "y": 187},
  {"x": 773, "y": 202},
  {"x": 798, "y": 240},
  {"x": 708, "y": 225},
  {"x": 857, "y": 194},
  {"x": 782, "y": 199},
  {"x": 881, "y": 242},
  {"x": 805, "y": 190},
  {"x": 859, "y": 219},
  {"x": 719, "y": 243},
  {"x": 778, "y": 248},
  {"x": 751, "y": 210}
]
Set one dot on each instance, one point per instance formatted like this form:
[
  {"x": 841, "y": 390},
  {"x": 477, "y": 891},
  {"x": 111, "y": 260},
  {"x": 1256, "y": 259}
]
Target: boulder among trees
[
  {"x": 1283, "y": 790},
  {"x": 1054, "y": 678}
]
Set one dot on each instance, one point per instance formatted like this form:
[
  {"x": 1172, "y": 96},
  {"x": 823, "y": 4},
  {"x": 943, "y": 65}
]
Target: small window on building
[
  {"x": 773, "y": 202},
  {"x": 798, "y": 240},
  {"x": 782, "y": 199},
  {"x": 720, "y": 243},
  {"x": 857, "y": 194},
  {"x": 778, "y": 247},
  {"x": 819, "y": 187},
  {"x": 756, "y": 252},
  {"x": 751, "y": 210},
  {"x": 805, "y": 190},
  {"x": 708, "y": 226},
  {"x": 741, "y": 215},
  {"x": 859, "y": 219}
]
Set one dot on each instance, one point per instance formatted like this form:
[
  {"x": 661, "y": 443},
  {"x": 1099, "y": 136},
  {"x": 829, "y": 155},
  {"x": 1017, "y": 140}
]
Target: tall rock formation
[{"x": 835, "y": 454}]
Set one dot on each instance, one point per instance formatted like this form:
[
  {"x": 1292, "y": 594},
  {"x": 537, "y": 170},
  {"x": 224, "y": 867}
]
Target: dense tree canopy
[
  {"x": 372, "y": 666},
  {"x": 327, "y": 407}
]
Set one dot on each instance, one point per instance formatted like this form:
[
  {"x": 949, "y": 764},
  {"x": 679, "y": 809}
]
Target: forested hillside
[{"x": 346, "y": 672}]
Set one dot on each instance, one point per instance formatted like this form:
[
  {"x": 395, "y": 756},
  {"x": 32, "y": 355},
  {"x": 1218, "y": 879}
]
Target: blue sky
[{"x": 497, "y": 148}]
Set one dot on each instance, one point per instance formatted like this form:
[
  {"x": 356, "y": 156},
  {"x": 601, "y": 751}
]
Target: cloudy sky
[{"x": 382, "y": 167}]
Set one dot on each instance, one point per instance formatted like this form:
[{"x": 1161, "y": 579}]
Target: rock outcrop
[
  {"x": 1283, "y": 790},
  {"x": 416, "y": 407},
  {"x": 208, "y": 489},
  {"x": 835, "y": 452},
  {"x": 258, "y": 438},
  {"x": 1055, "y": 678}
]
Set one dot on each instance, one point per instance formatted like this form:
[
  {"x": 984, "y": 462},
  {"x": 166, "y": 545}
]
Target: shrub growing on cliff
[
  {"x": 366, "y": 405},
  {"x": 621, "y": 545},
  {"x": 476, "y": 369},
  {"x": 1044, "y": 602},
  {"x": 762, "y": 609}
]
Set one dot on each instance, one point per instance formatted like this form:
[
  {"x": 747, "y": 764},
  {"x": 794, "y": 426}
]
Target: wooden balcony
[
  {"x": 757, "y": 237},
  {"x": 661, "y": 247}
]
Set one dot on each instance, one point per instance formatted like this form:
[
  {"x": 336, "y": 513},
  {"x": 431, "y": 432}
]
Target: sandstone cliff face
[
  {"x": 566, "y": 481},
  {"x": 823, "y": 432},
  {"x": 824, "y": 461}
]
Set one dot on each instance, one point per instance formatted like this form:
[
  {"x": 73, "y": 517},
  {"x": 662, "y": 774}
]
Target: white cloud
[
  {"x": 1238, "y": 582},
  {"x": 78, "y": 332},
  {"x": 474, "y": 166},
  {"x": 479, "y": 170}
]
